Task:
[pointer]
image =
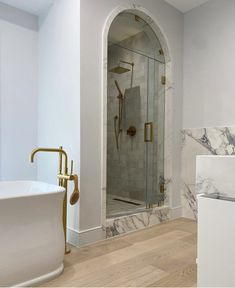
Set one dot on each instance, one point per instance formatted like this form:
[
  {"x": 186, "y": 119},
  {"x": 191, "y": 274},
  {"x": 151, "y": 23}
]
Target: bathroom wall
[
  {"x": 18, "y": 92},
  {"x": 209, "y": 44},
  {"x": 208, "y": 103},
  {"x": 59, "y": 110},
  {"x": 171, "y": 22},
  {"x": 59, "y": 90}
]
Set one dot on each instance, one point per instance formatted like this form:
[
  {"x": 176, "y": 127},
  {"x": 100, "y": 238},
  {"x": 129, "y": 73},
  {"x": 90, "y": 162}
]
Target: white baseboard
[
  {"x": 88, "y": 236},
  {"x": 85, "y": 237},
  {"x": 176, "y": 212}
]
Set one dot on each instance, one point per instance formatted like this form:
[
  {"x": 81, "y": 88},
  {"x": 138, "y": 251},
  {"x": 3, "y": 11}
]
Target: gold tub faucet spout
[
  {"x": 57, "y": 150},
  {"x": 63, "y": 177}
]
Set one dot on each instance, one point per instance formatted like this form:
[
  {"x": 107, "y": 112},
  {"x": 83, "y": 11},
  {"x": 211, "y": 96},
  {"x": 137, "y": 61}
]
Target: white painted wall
[
  {"x": 59, "y": 90},
  {"x": 209, "y": 65},
  {"x": 93, "y": 16},
  {"x": 59, "y": 109},
  {"x": 18, "y": 94}
]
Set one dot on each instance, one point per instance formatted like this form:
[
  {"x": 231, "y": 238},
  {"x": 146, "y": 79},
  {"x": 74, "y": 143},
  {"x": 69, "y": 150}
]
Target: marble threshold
[{"x": 129, "y": 223}]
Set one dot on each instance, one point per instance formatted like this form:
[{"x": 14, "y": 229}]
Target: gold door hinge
[
  {"x": 162, "y": 188},
  {"x": 163, "y": 80}
]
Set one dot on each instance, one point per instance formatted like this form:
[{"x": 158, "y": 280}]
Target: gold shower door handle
[{"x": 148, "y": 132}]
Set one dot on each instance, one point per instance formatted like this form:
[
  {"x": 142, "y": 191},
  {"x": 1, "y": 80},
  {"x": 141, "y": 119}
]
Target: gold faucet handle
[
  {"x": 71, "y": 167},
  {"x": 75, "y": 195}
]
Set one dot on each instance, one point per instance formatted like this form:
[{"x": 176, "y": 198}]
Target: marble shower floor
[{"x": 116, "y": 208}]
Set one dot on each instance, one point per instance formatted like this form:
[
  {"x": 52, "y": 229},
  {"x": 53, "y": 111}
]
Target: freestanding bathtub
[{"x": 31, "y": 233}]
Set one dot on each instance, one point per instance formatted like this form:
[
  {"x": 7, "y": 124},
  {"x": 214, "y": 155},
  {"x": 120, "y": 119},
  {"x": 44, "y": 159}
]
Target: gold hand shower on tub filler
[{"x": 63, "y": 182}]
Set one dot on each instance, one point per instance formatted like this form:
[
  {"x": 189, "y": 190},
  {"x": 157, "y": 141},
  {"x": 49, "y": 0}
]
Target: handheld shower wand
[{"x": 118, "y": 119}]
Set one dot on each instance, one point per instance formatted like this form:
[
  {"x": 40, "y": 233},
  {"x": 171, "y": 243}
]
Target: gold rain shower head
[{"x": 119, "y": 69}]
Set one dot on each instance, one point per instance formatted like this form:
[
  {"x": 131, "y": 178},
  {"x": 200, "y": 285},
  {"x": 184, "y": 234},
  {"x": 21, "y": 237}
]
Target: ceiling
[
  {"x": 31, "y": 6},
  {"x": 185, "y": 5},
  {"x": 37, "y": 6}
]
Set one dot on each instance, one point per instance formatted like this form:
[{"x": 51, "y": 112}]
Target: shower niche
[{"x": 135, "y": 117}]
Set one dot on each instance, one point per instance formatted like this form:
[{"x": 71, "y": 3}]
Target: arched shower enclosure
[{"x": 134, "y": 108}]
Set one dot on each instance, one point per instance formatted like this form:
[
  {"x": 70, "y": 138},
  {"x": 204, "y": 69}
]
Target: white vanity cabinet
[
  {"x": 216, "y": 242},
  {"x": 215, "y": 187}
]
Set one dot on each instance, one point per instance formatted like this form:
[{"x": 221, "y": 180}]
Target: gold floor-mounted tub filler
[{"x": 63, "y": 182}]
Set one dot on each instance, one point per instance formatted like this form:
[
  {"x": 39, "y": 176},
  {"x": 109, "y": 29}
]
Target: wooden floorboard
[{"x": 160, "y": 256}]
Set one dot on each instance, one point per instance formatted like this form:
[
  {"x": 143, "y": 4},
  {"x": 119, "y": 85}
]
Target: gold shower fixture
[
  {"x": 118, "y": 118},
  {"x": 120, "y": 69},
  {"x": 126, "y": 62}
]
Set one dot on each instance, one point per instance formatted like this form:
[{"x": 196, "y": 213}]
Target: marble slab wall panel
[
  {"x": 201, "y": 141},
  {"x": 129, "y": 223},
  {"x": 216, "y": 174}
]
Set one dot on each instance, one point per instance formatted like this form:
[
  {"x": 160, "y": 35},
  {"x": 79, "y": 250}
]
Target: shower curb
[{"x": 129, "y": 223}]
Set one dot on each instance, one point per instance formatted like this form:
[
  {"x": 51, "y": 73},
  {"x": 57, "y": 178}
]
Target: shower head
[{"x": 119, "y": 70}]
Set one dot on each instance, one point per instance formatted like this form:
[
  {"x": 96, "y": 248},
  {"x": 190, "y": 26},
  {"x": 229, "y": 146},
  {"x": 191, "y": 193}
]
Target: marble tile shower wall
[
  {"x": 126, "y": 166},
  {"x": 202, "y": 141}
]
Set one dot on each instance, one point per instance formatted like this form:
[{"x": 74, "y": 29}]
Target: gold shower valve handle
[
  {"x": 131, "y": 131},
  {"x": 65, "y": 177},
  {"x": 71, "y": 168}
]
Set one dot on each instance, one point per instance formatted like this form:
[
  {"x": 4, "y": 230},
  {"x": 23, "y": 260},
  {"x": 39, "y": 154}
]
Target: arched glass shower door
[{"x": 135, "y": 121}]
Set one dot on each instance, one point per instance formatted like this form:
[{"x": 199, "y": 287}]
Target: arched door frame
[{"x": 146, "y": 16}]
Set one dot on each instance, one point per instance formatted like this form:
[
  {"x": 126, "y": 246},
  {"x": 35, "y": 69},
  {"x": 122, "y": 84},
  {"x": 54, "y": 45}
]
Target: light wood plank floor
[{"x": 160, "y": 256}]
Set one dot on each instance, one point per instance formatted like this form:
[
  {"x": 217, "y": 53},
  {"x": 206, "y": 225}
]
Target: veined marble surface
[
  {"x": 215, "y": 174},
  {"x": 128, "y": 223},
  {"x": 201, "y": 141}
]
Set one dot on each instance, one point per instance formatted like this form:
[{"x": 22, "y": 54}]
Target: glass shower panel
[
  {"x": 135, "y": 166},
  {"x": 126, "y": 151},
  {"x": 135, "y": 117},
  {"x": 155, "y": 148}
]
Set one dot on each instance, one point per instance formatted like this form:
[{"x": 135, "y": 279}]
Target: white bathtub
[{"x": 31, "y": 233}]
